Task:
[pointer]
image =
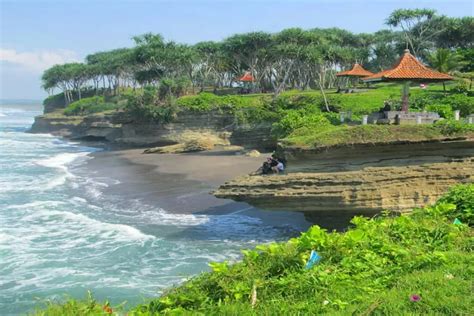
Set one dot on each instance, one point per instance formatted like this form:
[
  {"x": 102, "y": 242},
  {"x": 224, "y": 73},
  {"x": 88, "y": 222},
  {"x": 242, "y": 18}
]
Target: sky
[{"x": 36, "y": 34}]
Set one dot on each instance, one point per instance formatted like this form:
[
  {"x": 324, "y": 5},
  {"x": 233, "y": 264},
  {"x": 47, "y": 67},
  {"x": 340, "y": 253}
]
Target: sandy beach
[{"x": 181, "y": 183}]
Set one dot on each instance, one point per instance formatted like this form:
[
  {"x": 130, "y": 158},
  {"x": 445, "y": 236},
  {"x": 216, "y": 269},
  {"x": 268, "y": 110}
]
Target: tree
[
  {"x": 248, "y": 52},
  {"x": 415, "y": 24},
  {"x": 445, "y": 61},
  {"x": 456, "y": 33}
]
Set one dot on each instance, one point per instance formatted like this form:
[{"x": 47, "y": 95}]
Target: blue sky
[{"x": 36, "y": 34}]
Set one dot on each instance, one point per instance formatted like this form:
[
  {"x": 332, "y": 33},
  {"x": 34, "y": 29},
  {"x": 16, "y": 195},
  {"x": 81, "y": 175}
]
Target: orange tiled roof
[
  {"x": 356, "y": 71},
  {"x": 247, "y": 77},
  {"x": 408, "y": 68}
]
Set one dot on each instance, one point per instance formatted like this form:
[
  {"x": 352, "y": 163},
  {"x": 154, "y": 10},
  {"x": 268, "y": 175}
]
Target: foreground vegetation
[{"x": 416, "y": 263}]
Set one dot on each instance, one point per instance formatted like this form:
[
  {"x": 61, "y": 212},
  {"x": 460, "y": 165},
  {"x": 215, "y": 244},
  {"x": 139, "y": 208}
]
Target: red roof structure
[
  {"x": 247, "y": 77},
  {"x": 356, "y": 71},
  {"x": 408, "y": 68}
]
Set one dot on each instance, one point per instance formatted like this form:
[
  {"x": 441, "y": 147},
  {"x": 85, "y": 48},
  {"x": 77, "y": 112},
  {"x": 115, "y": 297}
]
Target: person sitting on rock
[
  {"x": 267, "y": 166},
  {"x": 277, "y": 164}
]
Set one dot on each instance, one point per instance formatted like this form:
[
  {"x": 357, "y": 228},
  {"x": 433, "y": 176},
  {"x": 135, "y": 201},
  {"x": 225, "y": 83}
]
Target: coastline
[{"x": 181, "y": 183}]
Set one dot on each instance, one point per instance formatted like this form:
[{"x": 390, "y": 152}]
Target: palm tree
[{"x": 444, "y": 61}]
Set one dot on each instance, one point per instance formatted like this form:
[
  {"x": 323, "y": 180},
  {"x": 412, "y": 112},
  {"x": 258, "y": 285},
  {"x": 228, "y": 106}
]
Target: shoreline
[{"x": 181, "y": 183}]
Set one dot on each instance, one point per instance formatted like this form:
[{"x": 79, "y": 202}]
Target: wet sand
[{"x": 181, "y": 183}]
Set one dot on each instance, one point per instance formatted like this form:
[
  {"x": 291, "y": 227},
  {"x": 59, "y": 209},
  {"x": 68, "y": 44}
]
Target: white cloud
[{"x": 39, "y": 60}]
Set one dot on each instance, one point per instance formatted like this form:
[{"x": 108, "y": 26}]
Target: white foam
[
  {"x": 60, "y": 161},
  {"x": 131, "y": 233},
  {"x": 35, "y": 204},
  {"x": 54, "y": 183}
]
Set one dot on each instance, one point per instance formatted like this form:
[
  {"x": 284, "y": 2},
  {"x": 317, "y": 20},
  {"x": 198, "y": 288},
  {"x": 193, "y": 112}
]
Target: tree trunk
[
  {"x": 281, "y": 86},
  {"x": 326, "y": 104},
  {"x": 405, "y": 96}
]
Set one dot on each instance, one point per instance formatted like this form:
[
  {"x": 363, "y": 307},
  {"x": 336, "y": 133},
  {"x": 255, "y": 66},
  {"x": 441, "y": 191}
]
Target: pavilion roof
[
  {"x": 408, "y": 68},
  {"x": 247, "y": 77},
  {"x": 356, "y": 71}
]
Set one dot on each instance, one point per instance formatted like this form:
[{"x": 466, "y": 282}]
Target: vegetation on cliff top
[
  {"x": 330, "y": 135},
  {"x": 290, "y": 59},
  {"x": 417, "y": 263}
]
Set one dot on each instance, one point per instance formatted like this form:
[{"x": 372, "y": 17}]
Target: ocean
[{"x": 61, "y": 235}]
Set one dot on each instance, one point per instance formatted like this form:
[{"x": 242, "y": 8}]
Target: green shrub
[
  {"x": 294, "y": 119},
  {"x": 89, "y": 105},
  {"x": 462, "y": 196},
  {"x": 172, "y": 87},
  {"x": 461, "y": 102},
  {"x": 146, "y": 105},
  {"x": 452, "y": 127},
  {"x": 460, "y": 87},
  {"x": 87, "y": 307},
  {"x": 444, "y": 110},
  {"x": 55, "y": 100}
]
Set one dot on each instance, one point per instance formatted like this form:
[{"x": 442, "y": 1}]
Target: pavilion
[
  {"x": 357, "y": 71},
  {"x": 247, "y": 79},
  {"x": 408, "y": 69}
]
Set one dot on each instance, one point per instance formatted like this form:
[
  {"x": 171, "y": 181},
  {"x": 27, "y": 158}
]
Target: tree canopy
[{"x": 291, "y": 59}]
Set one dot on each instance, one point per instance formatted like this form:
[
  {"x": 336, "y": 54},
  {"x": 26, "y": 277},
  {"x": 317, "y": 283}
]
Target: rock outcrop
[
  {"x": 191, "y": 142},
  {"x": 121, "y": 129},
  {"x": 359, "y": 179},
  {"x": 370, "y": 189}
]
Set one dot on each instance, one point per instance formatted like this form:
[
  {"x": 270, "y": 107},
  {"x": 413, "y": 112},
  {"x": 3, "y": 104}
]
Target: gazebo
[
  {"x": 357, "y": 71},
  {"x": 247, "y": 79},
  {"x": 408, "y": 69}
]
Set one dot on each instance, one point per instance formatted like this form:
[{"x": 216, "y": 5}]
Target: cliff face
[
  {"x": 348, "y": 158},
  {"x": 359, "y": 179},
  {"x": 119, "y": 128}
]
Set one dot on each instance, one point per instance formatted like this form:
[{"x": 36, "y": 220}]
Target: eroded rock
[{"x": 368, "y": 190}]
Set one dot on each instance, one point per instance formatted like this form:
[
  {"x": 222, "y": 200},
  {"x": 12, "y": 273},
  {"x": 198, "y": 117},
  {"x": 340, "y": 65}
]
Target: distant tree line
[{"x": 291, "y": 59}]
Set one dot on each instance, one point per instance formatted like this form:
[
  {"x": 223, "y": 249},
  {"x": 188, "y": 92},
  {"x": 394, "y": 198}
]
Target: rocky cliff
[
  {"x": 121, "y": 129},
  {"x": 359, "y": 179}
]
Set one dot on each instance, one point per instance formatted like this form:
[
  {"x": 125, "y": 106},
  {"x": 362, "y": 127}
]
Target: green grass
[
  {"x": 344, "y": 135},
  {"x": 372, "y": 269}
]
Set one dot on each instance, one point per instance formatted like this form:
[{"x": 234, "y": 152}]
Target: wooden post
[{"x": 405, "y": 96}]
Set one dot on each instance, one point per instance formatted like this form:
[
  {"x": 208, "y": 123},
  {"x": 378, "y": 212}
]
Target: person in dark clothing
[
  {"x": 266, "y": 168},
  {"x": 272, "y": 165}
]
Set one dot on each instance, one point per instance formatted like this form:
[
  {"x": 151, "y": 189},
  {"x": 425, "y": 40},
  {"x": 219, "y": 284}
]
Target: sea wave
[
  {"x": 61, "y": 161},
  {"x": 51, "y": 212}
]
